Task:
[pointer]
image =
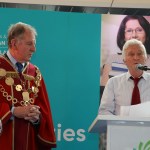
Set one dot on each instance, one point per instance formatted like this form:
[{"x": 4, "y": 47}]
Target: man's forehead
[
  {"x": 134, "y": 47},
  {"x": 27, "y": 37}
]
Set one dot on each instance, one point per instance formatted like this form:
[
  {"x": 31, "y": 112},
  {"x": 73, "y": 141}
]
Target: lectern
[{"x": 123, "y": 132}]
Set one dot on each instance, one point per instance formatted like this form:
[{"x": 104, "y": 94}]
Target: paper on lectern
[{"x": 139, "y": 110}]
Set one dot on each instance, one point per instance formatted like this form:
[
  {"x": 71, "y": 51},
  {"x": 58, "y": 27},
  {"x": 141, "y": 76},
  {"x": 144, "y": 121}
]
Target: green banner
[{"x": 68, "y": 50}]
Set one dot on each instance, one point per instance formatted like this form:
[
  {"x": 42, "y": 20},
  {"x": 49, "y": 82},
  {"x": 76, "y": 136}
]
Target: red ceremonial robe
[{"x": 20, "y": 134}]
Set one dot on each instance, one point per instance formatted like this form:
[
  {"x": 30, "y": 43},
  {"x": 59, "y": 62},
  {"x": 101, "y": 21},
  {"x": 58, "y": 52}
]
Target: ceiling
[{"x": 126, "y": 7}]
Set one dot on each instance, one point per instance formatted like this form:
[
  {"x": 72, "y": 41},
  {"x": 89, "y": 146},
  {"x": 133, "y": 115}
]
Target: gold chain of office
[{"x": 9, "y": 80}]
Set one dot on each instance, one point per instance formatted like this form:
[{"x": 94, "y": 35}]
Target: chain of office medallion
[{"x": 15, "y": 100}]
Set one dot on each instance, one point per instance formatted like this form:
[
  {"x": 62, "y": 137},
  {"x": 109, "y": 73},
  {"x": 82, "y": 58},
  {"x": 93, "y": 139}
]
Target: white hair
[{"x": 133, "y": 42}]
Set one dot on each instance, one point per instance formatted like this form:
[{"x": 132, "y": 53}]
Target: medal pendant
[
  {"x": 9, "y": 81},
  {"x": 2, "y": 72},
  {"x": 37, "y": 71},
  {"x": 18, "y": 87},
  {"x": 35, "y": 89},
  {"x": 26, "y": 97}
]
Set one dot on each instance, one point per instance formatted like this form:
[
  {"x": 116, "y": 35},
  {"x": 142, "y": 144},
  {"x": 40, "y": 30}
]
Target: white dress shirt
[
  {"x": 13, "y": 60},
  {"x": 118, "y": 92}
]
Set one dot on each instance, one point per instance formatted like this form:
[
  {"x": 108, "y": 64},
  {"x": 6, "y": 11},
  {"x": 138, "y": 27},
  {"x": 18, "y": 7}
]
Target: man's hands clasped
[{"x": 29, "y": 112}]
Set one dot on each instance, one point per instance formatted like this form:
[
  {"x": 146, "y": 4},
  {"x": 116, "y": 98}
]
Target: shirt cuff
[
  {"x": 0, "y": 126},
  {"x": 36, "y": 122}
]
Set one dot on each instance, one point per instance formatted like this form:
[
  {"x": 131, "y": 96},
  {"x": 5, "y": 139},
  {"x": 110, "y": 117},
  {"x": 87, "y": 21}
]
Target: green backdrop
[{"x": 68, "y": 50}]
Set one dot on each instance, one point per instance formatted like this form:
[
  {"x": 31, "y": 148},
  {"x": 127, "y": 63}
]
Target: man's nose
[
  {"x": 136, "y": 56},
  {"x": 33, "y": 48}
]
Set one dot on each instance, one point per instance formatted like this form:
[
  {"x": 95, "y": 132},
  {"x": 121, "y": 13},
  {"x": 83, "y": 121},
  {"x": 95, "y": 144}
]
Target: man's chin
[{"x": 28, "y": 59}]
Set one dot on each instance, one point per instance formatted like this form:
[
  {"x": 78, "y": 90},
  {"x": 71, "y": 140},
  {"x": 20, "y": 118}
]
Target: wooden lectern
[{"x": 123, "y": 133}]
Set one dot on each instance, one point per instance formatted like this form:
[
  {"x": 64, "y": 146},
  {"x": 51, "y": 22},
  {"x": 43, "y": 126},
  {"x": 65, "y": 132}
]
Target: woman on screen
[{"x": 131, "y": 27}]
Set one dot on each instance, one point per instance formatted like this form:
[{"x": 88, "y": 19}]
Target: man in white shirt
[{"x": 118, "y": 90}]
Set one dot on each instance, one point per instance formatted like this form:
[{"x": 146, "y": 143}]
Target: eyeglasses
[{"x": 137, "y": 31}]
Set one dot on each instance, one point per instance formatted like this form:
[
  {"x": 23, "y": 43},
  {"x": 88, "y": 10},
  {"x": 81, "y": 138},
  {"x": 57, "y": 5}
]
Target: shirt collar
[
  {"x": 144, "y": 75},
  {"x": 12, "y": 59}
]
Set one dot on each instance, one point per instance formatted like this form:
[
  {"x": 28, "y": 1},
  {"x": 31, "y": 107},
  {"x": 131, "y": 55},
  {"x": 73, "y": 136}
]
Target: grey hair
[
  {"x": 18, "y": 29},
  {"x": 133, "y": 42}
]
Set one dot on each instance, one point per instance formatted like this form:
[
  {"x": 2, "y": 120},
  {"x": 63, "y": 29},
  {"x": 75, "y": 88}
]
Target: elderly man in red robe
[{"x": 25, "y": 115}]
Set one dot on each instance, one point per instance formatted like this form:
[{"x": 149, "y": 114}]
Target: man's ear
[{"x": 13, "y": 43}]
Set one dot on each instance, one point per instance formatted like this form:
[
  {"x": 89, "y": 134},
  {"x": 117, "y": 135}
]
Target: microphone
[{"x": 142, "y": 67}]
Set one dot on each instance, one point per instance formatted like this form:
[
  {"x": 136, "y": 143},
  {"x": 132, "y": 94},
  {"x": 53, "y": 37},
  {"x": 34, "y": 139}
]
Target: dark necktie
[
  {"x": 135, "y": 93},
  {"x": 20, "y": 67}
]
